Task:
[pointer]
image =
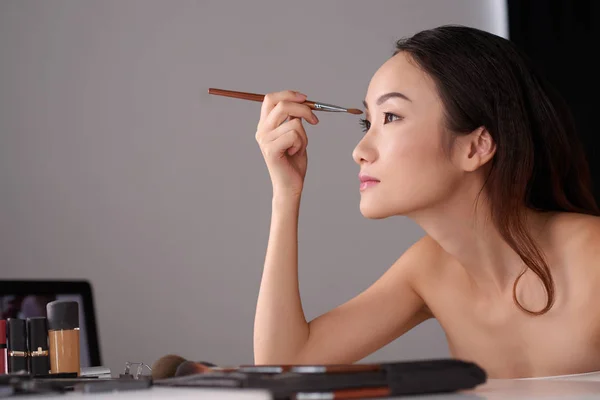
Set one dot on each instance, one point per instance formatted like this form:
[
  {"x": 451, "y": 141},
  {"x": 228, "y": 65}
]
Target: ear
[{"x": 475, "y": 150}]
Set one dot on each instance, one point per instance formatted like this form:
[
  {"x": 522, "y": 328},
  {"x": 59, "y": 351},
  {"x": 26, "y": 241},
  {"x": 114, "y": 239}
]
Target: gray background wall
[{"x": 116, "y": 166}]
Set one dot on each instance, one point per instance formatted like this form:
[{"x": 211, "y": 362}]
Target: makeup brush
[
  {"x": 166, "y": 366},
  {"x": 345, "y": 394},
  {"x": 173, "y": 365},
  {"x": 314, "y": 105}
]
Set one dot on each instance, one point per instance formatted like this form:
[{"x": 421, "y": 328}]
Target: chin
[{"x": 372, "y": 211}]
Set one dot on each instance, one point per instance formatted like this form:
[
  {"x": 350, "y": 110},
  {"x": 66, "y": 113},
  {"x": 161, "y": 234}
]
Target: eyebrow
[{"x": 385, "y": 97}]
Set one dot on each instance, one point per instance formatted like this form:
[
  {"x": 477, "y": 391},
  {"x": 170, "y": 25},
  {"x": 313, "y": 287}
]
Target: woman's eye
[
  {"x": 365, "y": 125},
  {"x": 389, "y": 117}
]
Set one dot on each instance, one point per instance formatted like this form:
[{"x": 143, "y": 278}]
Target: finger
[
  {"x": 294, "y": 124},
  {"x": 286, "y": 109},
  {"x": 299, "y": 127},
  {"x": 272, "y": 99},
  {"x": 289, "y": 142},
  {"x": 265, "y": 134}
]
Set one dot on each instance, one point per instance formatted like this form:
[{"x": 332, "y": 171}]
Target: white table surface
[{"x": 575, "y": 387}]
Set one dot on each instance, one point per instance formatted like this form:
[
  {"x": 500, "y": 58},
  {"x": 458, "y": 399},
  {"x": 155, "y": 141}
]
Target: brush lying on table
[{"x": 325, "y": 381}]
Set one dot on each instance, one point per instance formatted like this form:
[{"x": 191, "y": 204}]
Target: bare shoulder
[
  {"x": 566, "y": 223},
  {"x": 424, "y": 262},
  {"x": 577, "y": 230},
  {"x": 423, "y": 255},
  {"x": 577, "y": 238},
  {"x": 410, "y": 266}
]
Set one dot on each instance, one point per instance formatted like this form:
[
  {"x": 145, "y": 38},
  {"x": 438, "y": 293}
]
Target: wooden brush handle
[
  {"x": 345, "y": 394},
  {"x": 361, "y": 393},
  {"x": 336, "y": 369},
  {"x": 237, "y": 95},
  {"x": 249, "y": 96},
  {"x": 315, "y": 369}
]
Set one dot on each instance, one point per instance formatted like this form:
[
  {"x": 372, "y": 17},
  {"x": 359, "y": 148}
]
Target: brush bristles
[{"x": 355, "y": 111}]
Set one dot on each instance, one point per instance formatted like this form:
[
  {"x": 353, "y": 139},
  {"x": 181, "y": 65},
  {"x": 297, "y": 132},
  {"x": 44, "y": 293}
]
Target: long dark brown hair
[{"x": 485, "y": 81}]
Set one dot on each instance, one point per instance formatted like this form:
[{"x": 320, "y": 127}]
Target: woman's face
[{"x": 405, "y": 145}]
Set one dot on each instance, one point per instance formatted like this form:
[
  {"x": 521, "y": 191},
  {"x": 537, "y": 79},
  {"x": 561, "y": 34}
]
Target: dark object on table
[
  {"x": 114, "y": 385},
  {"x": 25, "y": 383},
  {"x": 37, "y": 343},
  {"x": 17, "y": 345},
  {"x": 344, "y": 381}
]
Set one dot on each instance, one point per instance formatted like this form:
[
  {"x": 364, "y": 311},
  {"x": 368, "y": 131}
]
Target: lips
[
  {"x": 366, "y": 178},
  {"x": 367, "y": 181}
]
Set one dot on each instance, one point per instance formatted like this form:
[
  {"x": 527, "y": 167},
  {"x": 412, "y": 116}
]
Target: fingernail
[
  {"x": 300, "y": 95},
  {"x": 315, "y": 119}
]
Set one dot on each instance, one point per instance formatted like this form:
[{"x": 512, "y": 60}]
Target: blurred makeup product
[
  {"x": 17, "y": 345},
  {"x": 325, "y": 382},
  {"x": 37, "y": 343},
  {"x": 63, "y": 335},
  {"x": 3, "y": 366},
  {"x": 173, "y": 365},
  {"x": 114, "y": 385},
  {"x": 314, "y": 105},
  {"x": 95, "y": 372},
  {"x": 62, "y": 375},
  {"x": 166, "y": 367}
]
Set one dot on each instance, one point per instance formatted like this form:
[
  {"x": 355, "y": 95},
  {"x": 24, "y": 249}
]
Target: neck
[{"x": 463, "y": 227}]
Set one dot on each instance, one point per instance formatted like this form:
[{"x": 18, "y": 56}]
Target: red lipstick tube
[{"x": 3, "y": 358}]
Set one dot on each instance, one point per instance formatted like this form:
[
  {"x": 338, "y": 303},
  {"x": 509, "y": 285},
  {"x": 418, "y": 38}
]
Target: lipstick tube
[
  {"x": 3, "y": 360},
  {"x": 17, "y": 345},
  {"x": 37, "y": 342}
]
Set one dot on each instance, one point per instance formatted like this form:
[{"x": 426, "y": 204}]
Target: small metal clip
[{"x": 138, "y": 373}]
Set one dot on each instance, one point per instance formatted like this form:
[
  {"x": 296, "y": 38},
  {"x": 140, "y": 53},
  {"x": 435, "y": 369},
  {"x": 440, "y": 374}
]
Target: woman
[{"x": 464, "y": 138}]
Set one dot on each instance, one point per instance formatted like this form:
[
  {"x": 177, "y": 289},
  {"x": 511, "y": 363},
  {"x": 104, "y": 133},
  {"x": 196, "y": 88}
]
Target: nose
[{"x": 364, "y": 151}]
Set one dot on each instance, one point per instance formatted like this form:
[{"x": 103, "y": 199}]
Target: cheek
[
  {"x": 413, "y": 154},
  {"x": 418, "y": 169}
]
